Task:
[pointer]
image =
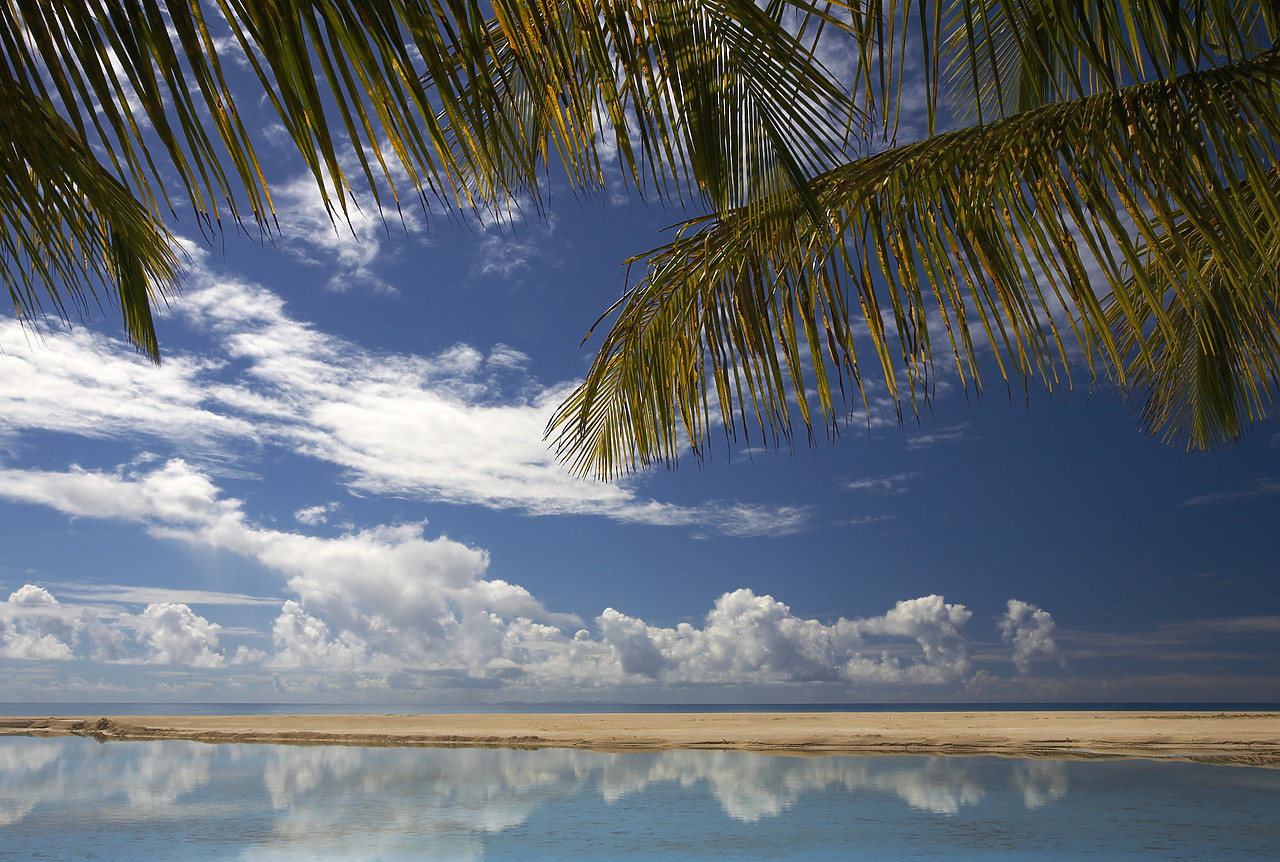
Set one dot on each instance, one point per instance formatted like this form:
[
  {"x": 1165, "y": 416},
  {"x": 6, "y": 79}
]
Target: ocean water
[
  {"x": 75, "y": 798},
  {"x": 82, "y": 709}
]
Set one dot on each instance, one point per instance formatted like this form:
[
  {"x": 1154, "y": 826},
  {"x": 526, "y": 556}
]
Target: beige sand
[{"x": 1231, "y": 736}]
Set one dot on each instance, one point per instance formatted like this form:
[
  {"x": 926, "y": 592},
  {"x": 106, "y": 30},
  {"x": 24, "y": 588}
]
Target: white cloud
[
  {"x": 314, "y": 516},
  {"x": 150, "y": 595},
  {"x": 942, "y": 435},
  {"x": 81, "y": 382},
  {"x": 1030, "y": 630},
  {"x": 391, "y": 606},
  {"x": 750, "y": 638},
  {"x": 633, "y": 643},
  {"x": 448, "y": 427},
  {"x": 937, "y": 627},
  {"x": 505, "y": 357},
  {"x": 177, "y": 635},
  {"x": 888, "y": 485},
  {"x": 415, "y": 601},
  {"x": 34, "y": 626},
  {"x": 175, "y": 493},
  {"x": 302, "y": 640},
  {"x": 510, "y": 249},
  {"x": 346, "y": 249}
]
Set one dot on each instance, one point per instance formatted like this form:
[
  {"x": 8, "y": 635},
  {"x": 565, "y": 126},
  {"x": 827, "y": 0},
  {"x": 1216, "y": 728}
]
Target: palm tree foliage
[
  {"x": 1092, "y": 174},
  {"x": 1110, "y": 184},
  {"x": 109, "y": 105}
]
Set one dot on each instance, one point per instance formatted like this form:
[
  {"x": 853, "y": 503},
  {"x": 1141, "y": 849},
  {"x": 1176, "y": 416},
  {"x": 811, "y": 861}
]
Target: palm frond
[
  {"x": 1215, "y": 370},
  {"x": 704, "y": 100},
  {"x": 972, "y": 237},
  {"x": 989, "y": 59},
  {"x": 73, "y": 231},
  {"x": 452, "y": 102}
]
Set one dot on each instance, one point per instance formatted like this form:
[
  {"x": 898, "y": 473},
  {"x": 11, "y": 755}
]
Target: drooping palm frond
[
  {"x": 989, "y": 59},
  {"x": 458, "y": 102},
  {"x": 72, "y": 227},
  {"x": 972, "y": 236},
  {"x": 714, "y": 100},
  {"x": 1214, "y": 371}
]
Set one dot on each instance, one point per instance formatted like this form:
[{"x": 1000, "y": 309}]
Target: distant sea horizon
[{"x": 77, "y": 708}]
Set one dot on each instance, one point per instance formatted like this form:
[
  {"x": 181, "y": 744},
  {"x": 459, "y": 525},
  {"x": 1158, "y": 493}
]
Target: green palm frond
[
  {"x": 457, "y": 103},
  {"x": 991, "y": 59},
  {"x": 73, "y": 231},
  {"x": 1214, "y": 371},
  {"x": 714, "y": 100},
  {"x": 971, "y": 237}
]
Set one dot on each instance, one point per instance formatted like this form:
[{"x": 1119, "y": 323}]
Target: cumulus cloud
[
  {"x": 34, "y": 626},
  {"x": 178, "y": 635},
  {"x": 635, "y": 644},
  {"x": 938, "y": 628},
  {"x": 303, "y": 640},
  {"x": 314, "y": 516},
  {"x": 1030, "y": 630},
  {"x": 390, "y": 596},
  {"x": 392, "y": 606},
  {"x": 393, "y": 609},
  {"x": 751, "y": 638}
]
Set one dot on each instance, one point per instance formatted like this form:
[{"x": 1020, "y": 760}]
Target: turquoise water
[{"x": 73, "y": 798}]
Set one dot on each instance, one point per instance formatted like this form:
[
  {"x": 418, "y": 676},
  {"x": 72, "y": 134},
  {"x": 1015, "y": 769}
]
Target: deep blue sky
[{"x": 336, "y": 488}]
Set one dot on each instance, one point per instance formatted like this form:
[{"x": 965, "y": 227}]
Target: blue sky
[{"x": 336, "y": 489}]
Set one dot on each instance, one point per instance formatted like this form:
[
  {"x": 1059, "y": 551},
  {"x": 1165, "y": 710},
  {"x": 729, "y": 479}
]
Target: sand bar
[{"x": 1241, "y": 737}]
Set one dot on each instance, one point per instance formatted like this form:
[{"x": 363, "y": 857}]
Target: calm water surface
[{"x": 72, "y": 798}]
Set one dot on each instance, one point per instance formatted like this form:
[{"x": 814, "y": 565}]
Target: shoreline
[{"x": 1251, "y": 738}]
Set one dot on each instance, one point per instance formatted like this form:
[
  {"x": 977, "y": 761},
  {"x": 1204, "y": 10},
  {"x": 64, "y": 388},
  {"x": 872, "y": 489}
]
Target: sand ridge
[{"x": 1246, "y": 737}]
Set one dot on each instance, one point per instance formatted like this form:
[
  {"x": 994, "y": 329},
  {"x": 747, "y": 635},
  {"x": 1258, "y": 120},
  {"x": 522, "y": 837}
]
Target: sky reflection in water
[{"x": 75, "y": 798}]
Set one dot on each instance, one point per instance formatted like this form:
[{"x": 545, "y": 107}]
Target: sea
[
  {"x": 58, "y": 708},
  {"x": 76, "y": 798}
]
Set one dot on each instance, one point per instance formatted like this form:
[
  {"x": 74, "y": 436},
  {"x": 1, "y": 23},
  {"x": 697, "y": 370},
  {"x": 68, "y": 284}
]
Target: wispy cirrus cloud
[
  {"x": 1261, "y": 488},
  {"x": 940, "y": 436},
  {"x": 462, "y": 425},
  {"x": 886, "y": 485},
  {"x": 122, "y": 593},
  {"x": 1237, "y": 640}
]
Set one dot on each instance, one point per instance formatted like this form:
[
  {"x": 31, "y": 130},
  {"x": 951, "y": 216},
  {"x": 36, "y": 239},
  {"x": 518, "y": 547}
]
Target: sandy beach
[{"x": 1231, "y": 736}]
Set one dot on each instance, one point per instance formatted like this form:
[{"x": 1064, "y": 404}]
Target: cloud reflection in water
[{"x": 472, "y": 790}]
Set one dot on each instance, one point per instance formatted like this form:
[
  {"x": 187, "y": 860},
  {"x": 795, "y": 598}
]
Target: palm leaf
[
  {"x": 972, "y": 236},
  {"x": 995, "y": 58},
  {"x": 456, "y": 103},
  {"x": 706, "y": 100},
  {"x": 73, "y": 230},
  {"x": 1215, "y": 371}
]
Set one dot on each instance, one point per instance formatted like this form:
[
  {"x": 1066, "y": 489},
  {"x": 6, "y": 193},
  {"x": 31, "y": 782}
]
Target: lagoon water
[{"x": 74, "y": 798}]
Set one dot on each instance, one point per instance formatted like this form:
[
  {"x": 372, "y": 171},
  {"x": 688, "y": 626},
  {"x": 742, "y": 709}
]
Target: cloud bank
[{"x": 392, "y": 607}]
